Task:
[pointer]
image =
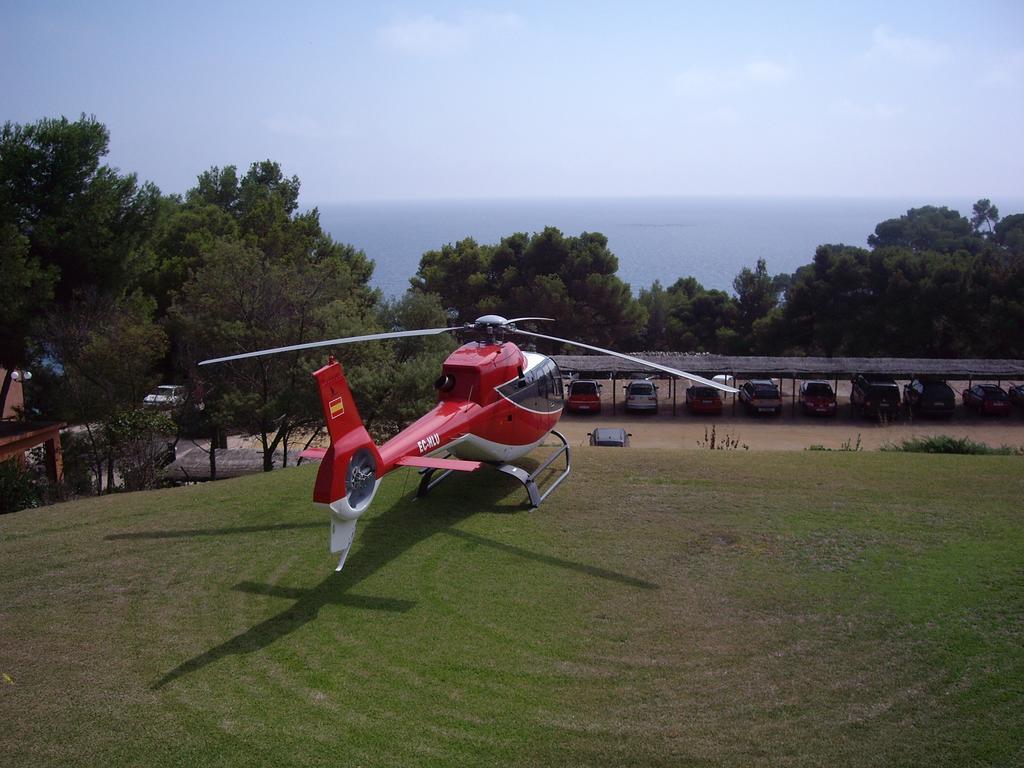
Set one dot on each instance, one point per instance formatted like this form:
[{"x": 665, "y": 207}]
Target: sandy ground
[
  {"x": 789, "y": 431},
  {"x": 783, "y": 433},
  {"x": 786, "y": 432}
]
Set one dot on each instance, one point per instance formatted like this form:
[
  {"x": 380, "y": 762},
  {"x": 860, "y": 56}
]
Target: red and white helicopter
[{"x": 496, "y": 403}]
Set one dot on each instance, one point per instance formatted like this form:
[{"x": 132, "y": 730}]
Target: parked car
[
  {"x": 584, "y": 396},
  {"x": 761, "y": 396},
  {"x": 929, "y": 397},
  {"x": 704, "y": 400},
  {"x": 987, "y": 399},
  {"x": 165, "y": 396},
  {"x": 875, "y": 395},
  {"x": 610, "y": 436},
  {"x": 1016, "y": 395},
  {"x": 817, "y": 398},
  {"x": 642, "y": 395}
]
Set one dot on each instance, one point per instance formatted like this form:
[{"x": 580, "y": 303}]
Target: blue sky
[{"x": 409, "y": 100}]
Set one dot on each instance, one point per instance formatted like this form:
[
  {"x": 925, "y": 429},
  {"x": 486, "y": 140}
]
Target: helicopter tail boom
[{"x": 349, "y": 474}]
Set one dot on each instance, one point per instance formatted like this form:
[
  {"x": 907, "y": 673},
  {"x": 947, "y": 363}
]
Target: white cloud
[
  {"x": 758, "y": 72},
  {"x": 1006, "y": 72},
  {"x": 430, "y": 36},
  {"x": 866, "y": 111},
  {"x": 300, "y": 126},
  {"x": 766, "y": 71},
  {"x": 887, "y": 46}
]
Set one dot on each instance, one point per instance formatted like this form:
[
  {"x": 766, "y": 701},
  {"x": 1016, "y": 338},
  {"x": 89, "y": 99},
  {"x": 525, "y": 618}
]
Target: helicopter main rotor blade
[
  {"x": 521, "y": 319},
  {"x": 334, "y": 342},
  {"x": 665, "y": 368}
]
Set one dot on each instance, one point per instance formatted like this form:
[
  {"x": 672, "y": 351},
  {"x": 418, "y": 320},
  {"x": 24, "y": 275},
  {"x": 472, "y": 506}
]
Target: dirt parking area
[
  {"x": 789, "y": 431},
  {"x": 785, "y": 433}
]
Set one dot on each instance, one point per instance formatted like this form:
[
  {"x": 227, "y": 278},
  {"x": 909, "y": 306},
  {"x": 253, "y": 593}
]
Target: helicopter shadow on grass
[{"x": 383, "y": 539}]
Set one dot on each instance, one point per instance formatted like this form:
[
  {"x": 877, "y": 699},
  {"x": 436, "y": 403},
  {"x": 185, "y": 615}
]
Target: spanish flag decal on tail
[{"x": 336, "y": 407}]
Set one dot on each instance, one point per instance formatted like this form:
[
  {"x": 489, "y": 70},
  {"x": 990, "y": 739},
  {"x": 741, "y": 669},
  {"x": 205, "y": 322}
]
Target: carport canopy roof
[{"x": 743, "y": 367}]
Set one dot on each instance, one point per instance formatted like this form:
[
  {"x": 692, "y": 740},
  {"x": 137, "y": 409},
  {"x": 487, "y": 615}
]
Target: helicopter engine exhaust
[{"x": 350, "y": 471}]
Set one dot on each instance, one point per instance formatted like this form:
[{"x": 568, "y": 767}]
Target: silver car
[
  {"x": 165, "y": 396},
  {"x": 642, "y": 395}
]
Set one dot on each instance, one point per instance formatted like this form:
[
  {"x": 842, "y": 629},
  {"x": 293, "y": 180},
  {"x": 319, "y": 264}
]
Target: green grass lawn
[{"x": 661, "y": 608}]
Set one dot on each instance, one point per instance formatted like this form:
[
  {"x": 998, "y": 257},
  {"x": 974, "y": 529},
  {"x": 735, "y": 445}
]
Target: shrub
[
  {"x": 947, "y": 444},
  {"x": 848, "y": 446},
  {"x": 18, "y": 489},
  {"x": 138, "y": 439},
  {"x": 727, "y": 442}
]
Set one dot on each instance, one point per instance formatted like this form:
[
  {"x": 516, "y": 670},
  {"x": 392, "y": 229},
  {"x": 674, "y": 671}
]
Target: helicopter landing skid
[{"x": 528, "y": 479}]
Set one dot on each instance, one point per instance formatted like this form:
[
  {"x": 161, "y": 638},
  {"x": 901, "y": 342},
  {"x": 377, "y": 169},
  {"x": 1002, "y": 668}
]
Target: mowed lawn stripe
[{"x": 661, "y": 608}]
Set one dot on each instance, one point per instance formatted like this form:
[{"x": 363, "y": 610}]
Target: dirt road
[
  {"x": 790, "y": 431},
  {"x": 785, "y": 433}
]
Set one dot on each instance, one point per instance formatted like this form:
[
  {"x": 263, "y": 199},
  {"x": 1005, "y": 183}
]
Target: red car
[
  {"x": 584, "y": 396},
  {"x": 987, "y": 399},
  {"x": 817, "y": 398},
  {"x": 703, "y": 400}
]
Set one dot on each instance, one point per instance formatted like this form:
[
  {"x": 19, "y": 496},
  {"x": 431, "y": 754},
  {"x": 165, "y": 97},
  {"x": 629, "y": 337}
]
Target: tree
[
  {"x": 461, "y": 275},
  {"x": 825, "y": 297},
  {"x": 68, "y": 225},
  {"x": 1009, "y": 233},
  {"x": 697, "y": 317},
  {"x": 572, "y": 279},
  {"x": 181, "y": 234},
  {"x": 928, "y": 228},
  {"x": 137, "y": 438},
  {"x": 82, "y": 219},
  {"x": 239, "y": 300},
  {"x": 108, "y": 351},
  {"x": 25, "y": 290},
  {"x": 756, "y": 296},
  {"x": 657, "y": 306},
  {"x": 984, "y": 213},
  {"x": 279, "y": 280},
  {"x": 394, "y": 387}
]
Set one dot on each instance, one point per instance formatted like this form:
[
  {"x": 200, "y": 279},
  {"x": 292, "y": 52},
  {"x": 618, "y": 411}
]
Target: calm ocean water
[{"x": 663, "y": 239}]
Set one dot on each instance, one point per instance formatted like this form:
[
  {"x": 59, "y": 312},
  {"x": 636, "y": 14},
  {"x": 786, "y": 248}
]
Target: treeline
[
  {"x": 931, "y": 284},
  {"x": 110, "y": 286}
]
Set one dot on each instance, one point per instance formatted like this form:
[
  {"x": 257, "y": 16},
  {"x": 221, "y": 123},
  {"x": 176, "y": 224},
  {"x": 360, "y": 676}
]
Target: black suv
[
  {"x": 929, "y": 397},
  {"x": 875, "y": 395},
  {"x": 761, "y": 396},
  {"x": 1016, "y": 394}
]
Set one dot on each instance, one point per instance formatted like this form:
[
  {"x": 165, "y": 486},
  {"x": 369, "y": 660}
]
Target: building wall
[{"x": 15, "y": 398}]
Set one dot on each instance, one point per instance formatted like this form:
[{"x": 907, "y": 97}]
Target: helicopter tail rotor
[{"x": 349, "y": 474}]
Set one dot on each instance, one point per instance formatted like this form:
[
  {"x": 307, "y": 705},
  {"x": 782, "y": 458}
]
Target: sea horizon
[{"x": 661, "y": 238}]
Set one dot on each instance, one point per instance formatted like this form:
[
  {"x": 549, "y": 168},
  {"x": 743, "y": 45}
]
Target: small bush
[
  {"x": 848, "y": 446},
  {"x": 18, "y": 489},
  {"x": 138, "y": 439},
  {"x": 727, "y": 442},
  {"x": 947, "y": 444}
]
